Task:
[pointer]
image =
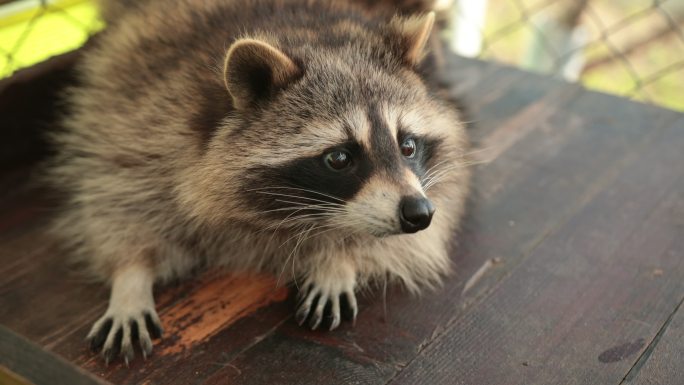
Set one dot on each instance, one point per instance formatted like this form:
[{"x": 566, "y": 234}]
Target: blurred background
[{"x": 632, "y": 48}]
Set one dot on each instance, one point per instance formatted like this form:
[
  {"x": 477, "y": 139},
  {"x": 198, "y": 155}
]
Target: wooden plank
[
  {"x": 492, "y": 90},
  {"x": 8, "y": 377},
  {"x": 34, "y": 364},
  {"x": 553, "y": 148},
  {"x": 583, "y": 306},
  {"x": 662, "y": 361},
  {"x": 532, "y": 187},
  {"x": 213, "y": 354},
  {"x": 274, "y": 317},
  {"x": 191, "y": 321},
  {"x": 31, "y": 265},
  {"x": 325, "y": 362},
  {"x": 36, "y": 276},
  {"x": 160, "y": 370}
]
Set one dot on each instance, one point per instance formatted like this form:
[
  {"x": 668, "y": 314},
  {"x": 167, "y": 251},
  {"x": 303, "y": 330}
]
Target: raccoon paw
[
  {"x": 116, "y": 331},
  {"x": 325, "y": 306}
]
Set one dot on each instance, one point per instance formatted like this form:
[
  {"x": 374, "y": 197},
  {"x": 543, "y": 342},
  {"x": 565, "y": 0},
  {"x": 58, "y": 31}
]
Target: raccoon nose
[{"x": 415, "y": 214}]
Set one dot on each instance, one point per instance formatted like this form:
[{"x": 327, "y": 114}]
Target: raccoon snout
[{"x": 415, "y": 213}]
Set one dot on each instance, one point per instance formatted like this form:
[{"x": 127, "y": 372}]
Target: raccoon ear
[
  {"x": 415, "y": 33},
  {"x": 254, "y": 69}
]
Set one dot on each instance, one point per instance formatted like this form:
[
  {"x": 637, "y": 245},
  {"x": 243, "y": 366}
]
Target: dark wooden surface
[
  {"x": 36, "y": 365},
  {"x": 570, "y": 267}
]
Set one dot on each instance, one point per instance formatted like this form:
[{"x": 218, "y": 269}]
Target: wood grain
[
  {"x": 28, "y": 362},
  {"x": 191, "y": 317},
  {"x": 571, "y": 253},
  {"x": 662, "y": 360},
  {"x": 586, "y": 290},
  {"x": 513, "y": 213}
]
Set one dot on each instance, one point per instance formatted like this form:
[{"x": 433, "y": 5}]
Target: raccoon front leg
[
  {"x": 327, "y": 297},
  {"x": 131, "y": 315}
]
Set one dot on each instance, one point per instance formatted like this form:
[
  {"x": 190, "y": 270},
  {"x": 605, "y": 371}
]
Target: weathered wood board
[{"x": 569, "y": 268}]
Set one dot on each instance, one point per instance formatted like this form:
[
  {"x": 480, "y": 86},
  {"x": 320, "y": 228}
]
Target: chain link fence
[
  {"x": 633, "y": 48},
  {"x": 34, "y": 30}
]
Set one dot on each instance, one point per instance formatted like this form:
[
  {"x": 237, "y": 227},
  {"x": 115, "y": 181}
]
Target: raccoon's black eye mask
[{"x": 339, "y": 172}]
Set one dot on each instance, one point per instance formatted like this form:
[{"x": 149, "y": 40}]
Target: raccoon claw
[
  {"x": 319, "y": 307},
  {"x": 114, "y": 334}
]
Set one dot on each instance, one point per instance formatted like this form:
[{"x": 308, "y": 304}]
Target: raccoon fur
[{"x": 297, "y": 137}]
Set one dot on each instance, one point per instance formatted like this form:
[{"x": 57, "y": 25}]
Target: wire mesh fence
[
  {"x": 633, "y": 48},
  {"x": 34, "y": 30}
]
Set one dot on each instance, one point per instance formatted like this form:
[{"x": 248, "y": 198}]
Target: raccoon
[{"x": 297, "y": 137}]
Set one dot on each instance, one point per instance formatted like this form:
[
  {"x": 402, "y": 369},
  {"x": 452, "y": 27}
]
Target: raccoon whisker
[
  {"x": 294, "y": 258},
  {"x": 293, "y": 254},
  {"x": 295, "y": 210},
  {"x": 281, "y": 209},
  {"x": 297, "y": 207},
  {"x": 434, "y": 173},
  {"x": 467, "y": 122},
  {"x": 351, "y": 234},
  {"x": 351, "y": 229},
  {"x": 471, "y": 163},
  {"x": 322, "y": 232},
  {"x": 328, "y": 228},
  {"x": 439, "y": 175},
  {"x": 428, "y": 183},
  {"x": 482, "y": 155},
  {"x": 270, "y": 239},
  {"x": 300, "y": 237},
  {"x": 318, "y": 192},
  {"x": 458, "y": 166},
  {"x": 434, "y": 167},
  {"x": 299, "y": 189},
  {"x": 300, "y": 218},
  {"x": 436, "y": 179},
  {"x": 479, "y": 150},
  {"x": 317, "y": 226},
  {"x": 289, "y": 218},
  {"x": 298, "y": 197},
  {"x": 301, "y": 240},
  {"x": 279, "y": 223},
  {"x": 431, "y": 184},
  {"x": 433, "y": 170},
  {"x": 313, "y": 206},
  {"x": 296, "y": 236}
]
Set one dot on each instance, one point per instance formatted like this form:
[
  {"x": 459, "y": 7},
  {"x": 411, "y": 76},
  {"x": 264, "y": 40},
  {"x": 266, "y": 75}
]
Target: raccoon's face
[{"x": 335, "y": 146}]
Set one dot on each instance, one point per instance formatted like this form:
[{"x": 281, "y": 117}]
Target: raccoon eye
[
  {"x": 408, "y": 147},
  {"x": 337, "y": 160}
]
